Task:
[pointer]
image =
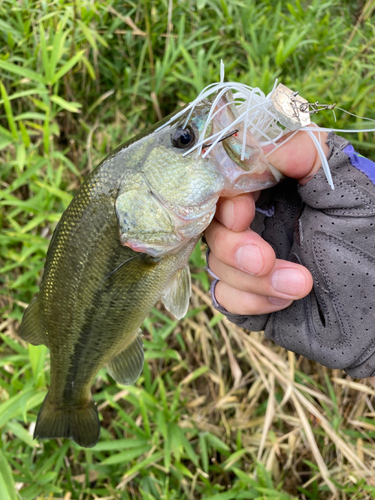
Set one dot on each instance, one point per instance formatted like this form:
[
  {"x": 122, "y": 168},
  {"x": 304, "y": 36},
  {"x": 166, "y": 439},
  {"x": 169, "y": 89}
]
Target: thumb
[{"x": 298, "y": 158}]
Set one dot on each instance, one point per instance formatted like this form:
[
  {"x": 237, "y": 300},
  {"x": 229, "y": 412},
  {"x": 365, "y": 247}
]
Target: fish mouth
[{"x": 235, "y": 151}]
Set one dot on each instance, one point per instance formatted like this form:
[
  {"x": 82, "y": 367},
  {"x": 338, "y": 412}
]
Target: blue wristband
[{"x": 363, "y": 164}]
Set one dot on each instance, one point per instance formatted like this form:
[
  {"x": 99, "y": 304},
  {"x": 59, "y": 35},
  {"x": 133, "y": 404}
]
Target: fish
[{"x": 123, "y": 244}]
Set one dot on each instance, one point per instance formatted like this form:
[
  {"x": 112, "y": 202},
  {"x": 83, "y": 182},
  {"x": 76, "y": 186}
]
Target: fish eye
[{"x": 182, "y": 138}]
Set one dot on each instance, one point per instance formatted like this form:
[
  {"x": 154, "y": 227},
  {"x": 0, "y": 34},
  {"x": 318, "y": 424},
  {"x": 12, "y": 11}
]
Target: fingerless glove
[{"x": 332, "y": 233}]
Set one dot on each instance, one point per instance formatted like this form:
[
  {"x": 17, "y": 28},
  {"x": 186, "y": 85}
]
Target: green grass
[{"x": 217, "y": 414}]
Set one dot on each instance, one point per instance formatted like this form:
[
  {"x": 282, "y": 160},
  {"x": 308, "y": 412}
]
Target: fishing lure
[{"x": 271, "y": 119}]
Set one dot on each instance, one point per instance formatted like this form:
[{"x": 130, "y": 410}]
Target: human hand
[
  {"x": 334, "y": 237},
  {"x": 252, "y": 280}
]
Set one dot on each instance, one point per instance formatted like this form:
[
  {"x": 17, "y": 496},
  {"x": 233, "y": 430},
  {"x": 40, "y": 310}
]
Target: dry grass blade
[
  {"x": 234, "y": 366},
  {"x": 312, "y": 443},
  {"x": 6, "y": 323},
  {"x": 284, "y": 379},
  {"x": 119, "y": 395},
  {"x": 365, "y": 14},
  {"x": 127, "y": 20},
  {"x": 363, "y": 425},
  {"x": 344, "y": 448},
  {"x": 256, "y": 364},
  {"x": 274, "y": 364},
  {"x": 357, "y": 386},
  {"x": 270, "y": 413}
]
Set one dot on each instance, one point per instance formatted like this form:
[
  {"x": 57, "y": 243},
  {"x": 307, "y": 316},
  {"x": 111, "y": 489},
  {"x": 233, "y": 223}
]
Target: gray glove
[{"x": 332, "y": 233}]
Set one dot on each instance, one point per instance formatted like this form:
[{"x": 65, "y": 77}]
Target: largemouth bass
[{"x": 124, "y": 243}]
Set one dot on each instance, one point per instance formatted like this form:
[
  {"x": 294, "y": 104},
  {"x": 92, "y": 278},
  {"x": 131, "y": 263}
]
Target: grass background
[{"x": 217, "y": 414}]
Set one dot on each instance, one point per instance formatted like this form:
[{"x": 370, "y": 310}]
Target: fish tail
[{"x": 78, "y": 422}]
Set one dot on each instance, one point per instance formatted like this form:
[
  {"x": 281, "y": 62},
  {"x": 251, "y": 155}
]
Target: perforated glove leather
[{"x": 332, "y": 233}]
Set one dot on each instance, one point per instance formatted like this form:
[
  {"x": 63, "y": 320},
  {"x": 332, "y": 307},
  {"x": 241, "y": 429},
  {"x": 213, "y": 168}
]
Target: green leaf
[
  {"x": 73, "y": 107},
  {"x": 126, "y": 456},
  {"x": 8, "y": 111},
  {"x": 188, "y": 448},
  {"x": 39, "y": 219},
  {"x": 217, "y": 443},
  {"x": 46, "y": 134},
  {"x": 201, "y": 4},
  {"x": 89, "y": 67},
  {"x": 19, "y": 431},
  {"x": 184, "y": 470},
  {"x": 24, "y": 134},
  {"x": 228, "y": 495},
  {"x": 25, "y": 176},
  {"x": 146, "y": 421},
  {"x": 67, "y": 66},
  {"x": 47, "y": 477},
  {"x": 7, "y": 487},
  {"x": 17, "y": 405},
  {"x": 37, "y": 356},
  {"x": 20, "y": 156},
  {"x": 88, "y": 34},
  {"x": 65, "y": 197},
  {"x": 143, "y": 464},
  {"x": 4, "y": 142},
  {"x": 25, "y": 93},
  {"x": 203, "y": 450},
  {"x": 21, "y": 71},
  {"x": 31, "y": 115},
  {"x": 5, "y": 133},
  {"x": 57, "y": 49},
  {"x": 45, "y": 58},
  {"x": 120, "y": 443}
]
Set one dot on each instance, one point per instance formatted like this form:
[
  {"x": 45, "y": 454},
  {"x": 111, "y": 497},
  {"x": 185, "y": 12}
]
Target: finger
[
  {"x": 370, "y": 379},
  {"x": 298, "y": 157},
  {"x": 236, "y": 213},
  {"x": 245, "y": 303},
  {"x": 245, "y": 251},
  {"x": 286, "y": 280}
]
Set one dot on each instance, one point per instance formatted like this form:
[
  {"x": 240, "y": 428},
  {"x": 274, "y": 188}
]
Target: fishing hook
[{"x": 204, "y": 146}]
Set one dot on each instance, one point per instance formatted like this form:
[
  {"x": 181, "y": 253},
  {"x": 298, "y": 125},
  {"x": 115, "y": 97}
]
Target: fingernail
[
  {"x": 250, "y": 259},
  {"x": 279, "y": 302},
  {"x": 289, "y": 281}
]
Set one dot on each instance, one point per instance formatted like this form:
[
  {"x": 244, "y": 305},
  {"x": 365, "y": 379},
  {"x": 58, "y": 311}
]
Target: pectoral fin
[
  {"x": 176, "y": 297},
  {"x": 127, "y": 366},
  {"x": 31, "y": 329}
]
